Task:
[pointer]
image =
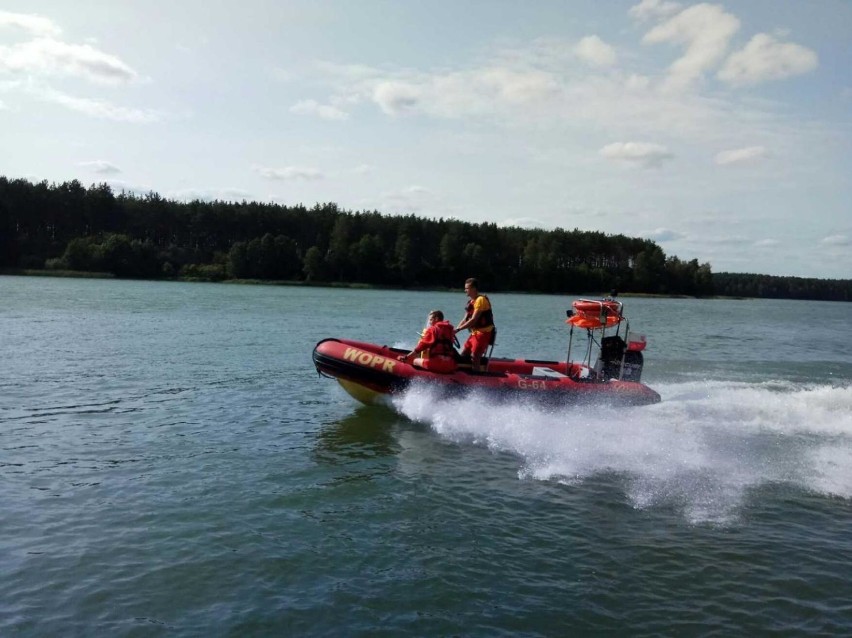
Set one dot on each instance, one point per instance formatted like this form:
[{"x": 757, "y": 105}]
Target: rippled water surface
[{"x": 170, "y": 464}]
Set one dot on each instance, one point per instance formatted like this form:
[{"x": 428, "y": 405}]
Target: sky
[{"x": 721, "y": 131}]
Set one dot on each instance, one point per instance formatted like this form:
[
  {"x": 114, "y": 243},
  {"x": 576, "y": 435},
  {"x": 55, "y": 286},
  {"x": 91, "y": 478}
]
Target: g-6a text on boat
[{"x": 371, "y": 373}]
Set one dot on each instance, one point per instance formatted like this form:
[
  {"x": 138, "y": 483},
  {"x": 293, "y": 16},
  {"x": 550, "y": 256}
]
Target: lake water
[{"x": 171, "y": 465}]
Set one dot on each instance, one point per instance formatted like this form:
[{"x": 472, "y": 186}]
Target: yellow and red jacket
[{"x": 485, "y": 320}]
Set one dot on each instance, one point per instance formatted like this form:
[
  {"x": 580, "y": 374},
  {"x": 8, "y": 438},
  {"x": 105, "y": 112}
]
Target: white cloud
[
  {"x": 482, "y": 91},
  {"x": 705, "y": 30},
  {"x": 765, "y": 58},
  {"x": 537, "y": 86},
  {"x": 46, "y": 56},
  {"x": 97, "y": 108},
  {"x": 363, "y": 169},
  {"x": 746, "y": 155},
  {"x": 289, "y": 173},
  {"x": 101, "y": 167},
  {"x": 394, "y": 98},
  {"x": 662, "y": 235},
  {"x": 324, "y": 111},
  {"x": 530, "y": 85},
  {"x": 35, "y": 24},
  {"x": 595, "y": 51},
  {"x": 766, "y": 243},
  {"x": 642, "y": 153},
  {"x": 42, "y": 56},
  {"x": 514, "y": 86},
  {"x": 836, "y": 240},
  {"x": 653, "y": 9}
]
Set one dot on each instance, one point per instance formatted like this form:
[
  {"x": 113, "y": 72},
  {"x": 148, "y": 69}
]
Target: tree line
[
  {"x": 69, "y": 226},
  {"x": 767, "y": 286}
]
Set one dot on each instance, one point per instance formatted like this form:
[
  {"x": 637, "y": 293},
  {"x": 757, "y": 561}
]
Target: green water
[{"x": 170, "y": 464}]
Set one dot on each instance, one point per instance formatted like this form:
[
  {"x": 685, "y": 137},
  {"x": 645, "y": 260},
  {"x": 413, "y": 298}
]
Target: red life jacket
[{"x": 444, "y": 334}]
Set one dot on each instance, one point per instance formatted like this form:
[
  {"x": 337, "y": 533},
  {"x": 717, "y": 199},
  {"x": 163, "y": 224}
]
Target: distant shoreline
[
  {"x": 154, "y": 238},
  {"x": 75, "y": 274}
]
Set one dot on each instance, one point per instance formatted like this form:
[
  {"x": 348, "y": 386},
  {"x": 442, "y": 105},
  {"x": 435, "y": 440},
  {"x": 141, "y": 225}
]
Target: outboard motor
[
  {"x": 613, "y": 350},
  {"x": 633, "y": 362}
]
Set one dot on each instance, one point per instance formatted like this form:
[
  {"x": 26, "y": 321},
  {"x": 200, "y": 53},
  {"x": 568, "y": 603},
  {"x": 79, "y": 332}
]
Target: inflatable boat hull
[{"x": 372, "y": 373}]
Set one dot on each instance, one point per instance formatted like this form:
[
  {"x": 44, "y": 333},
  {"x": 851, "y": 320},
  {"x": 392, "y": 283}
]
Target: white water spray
[{"x": 701, "y": 450}]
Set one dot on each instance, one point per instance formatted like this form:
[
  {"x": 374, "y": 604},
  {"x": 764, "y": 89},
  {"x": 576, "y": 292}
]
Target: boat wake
[{"x": 702, "y": 450}]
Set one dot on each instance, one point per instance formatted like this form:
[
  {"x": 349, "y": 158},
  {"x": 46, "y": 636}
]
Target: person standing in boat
[
  {"x": 479, "y": 319},
  {"x": 435, "y": 346}
]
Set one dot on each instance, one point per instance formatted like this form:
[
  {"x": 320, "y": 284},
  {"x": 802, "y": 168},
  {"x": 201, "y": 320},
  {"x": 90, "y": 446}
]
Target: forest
[{"x": 68, "y": 227}]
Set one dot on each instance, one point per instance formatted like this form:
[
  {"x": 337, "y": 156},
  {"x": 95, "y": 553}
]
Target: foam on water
[{"x": 700, "y": 451}]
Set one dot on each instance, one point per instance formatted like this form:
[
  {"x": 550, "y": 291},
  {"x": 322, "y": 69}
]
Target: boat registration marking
[
  {"x": 531, "y": 384},
  {"x": 368, "y": 359}
]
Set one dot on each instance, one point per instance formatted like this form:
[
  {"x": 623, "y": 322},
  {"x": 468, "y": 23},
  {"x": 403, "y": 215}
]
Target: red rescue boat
[{"x": 371, "y": 373}]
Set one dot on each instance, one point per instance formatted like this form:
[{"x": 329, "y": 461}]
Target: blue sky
[{"x": 721, "y": 131}]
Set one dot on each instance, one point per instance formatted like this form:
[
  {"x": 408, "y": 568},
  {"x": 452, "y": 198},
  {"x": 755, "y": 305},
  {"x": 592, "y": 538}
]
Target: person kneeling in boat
[{"x": 435, "y": 346}]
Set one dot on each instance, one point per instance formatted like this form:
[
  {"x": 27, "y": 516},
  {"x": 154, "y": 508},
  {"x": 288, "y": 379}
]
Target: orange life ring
[
  {"x": 593, "y": 323},
  {"x": 588, "y": 307},
  {"x": 595, "y": 314}
]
